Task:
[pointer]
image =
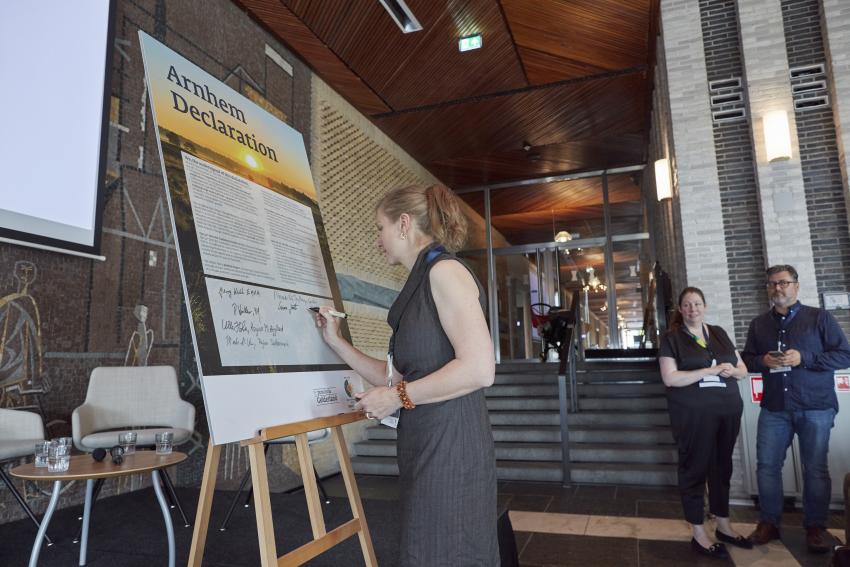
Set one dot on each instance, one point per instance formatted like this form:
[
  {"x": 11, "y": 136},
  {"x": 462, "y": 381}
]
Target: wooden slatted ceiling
[
  {"x": 560, "y": 196},
  {"x": 584, "y": 110},
  {"x": 421, "y": 68},
  {"x": 563, "y": 39},
  {"x": 281, "y": 22}
]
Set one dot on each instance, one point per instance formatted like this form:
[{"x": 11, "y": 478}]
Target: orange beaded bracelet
[{"x": 401, "y": 390}]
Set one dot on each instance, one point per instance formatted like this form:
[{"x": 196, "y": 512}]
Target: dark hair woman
[
  {"x": 440, "y": 359},
  {"x": 700, "y": 366}
]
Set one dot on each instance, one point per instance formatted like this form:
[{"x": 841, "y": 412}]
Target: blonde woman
[{"x": 440, "y": 359}]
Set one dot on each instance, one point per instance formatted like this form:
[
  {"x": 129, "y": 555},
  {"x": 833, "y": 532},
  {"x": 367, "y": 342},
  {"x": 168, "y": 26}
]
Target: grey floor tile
[
  {"x": 541, "y": 488},
  {"x": 660, "y": 493},
  {"x": 656, "y": 509},
  {"x": 529, "y": 502},
  {"x": 674, "y": 554},
  {"x": 592, "y": 506},
  {"x": 580, "y": 551},
  {"x": 599, "y": 491}
]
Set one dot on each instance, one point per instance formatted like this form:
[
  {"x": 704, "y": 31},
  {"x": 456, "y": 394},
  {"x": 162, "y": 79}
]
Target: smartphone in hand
[{"x": 776, "y": 353}]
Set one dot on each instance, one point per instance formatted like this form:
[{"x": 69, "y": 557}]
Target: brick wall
[
  {"x": 820, "y": 162},
  {"x": 738, "y": 189}
]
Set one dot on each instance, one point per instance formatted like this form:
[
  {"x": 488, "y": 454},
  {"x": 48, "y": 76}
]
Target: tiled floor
[{"x": 622, "y": 526}]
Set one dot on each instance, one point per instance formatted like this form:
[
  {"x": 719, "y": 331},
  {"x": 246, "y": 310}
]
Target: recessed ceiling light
[
  {"x": 401, "y": 15},
  {"x": 469, "y": 42}
]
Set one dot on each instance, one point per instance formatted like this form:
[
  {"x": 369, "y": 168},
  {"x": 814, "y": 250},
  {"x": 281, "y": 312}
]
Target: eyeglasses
[{"x": 781, "y": 284}]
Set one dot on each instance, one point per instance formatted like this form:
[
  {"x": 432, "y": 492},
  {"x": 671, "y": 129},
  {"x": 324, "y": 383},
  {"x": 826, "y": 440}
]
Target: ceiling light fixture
[
  {"x": 470, "y": 42},
  {"x": 401, "y": 15},
  {"x": 563, "y": 236}
]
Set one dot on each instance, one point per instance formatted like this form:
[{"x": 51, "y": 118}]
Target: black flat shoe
[
  {"x": 740, "y": 541},
  {"x": 716, "y": 551}
]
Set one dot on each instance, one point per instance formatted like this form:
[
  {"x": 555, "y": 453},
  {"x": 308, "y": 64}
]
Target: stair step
[
  {"x": 513, "y": 378},
  {"x": 601, "y": 473},
  {"x": 552, "y": 434},
  {"x": 587, "y": 418},
  {"x": 527, "y": 367},
  {"x": 524, "y": 403},
  {"x": 550, "y": 452},
  {"x": 632, "y": 473},
  {"x": 522, "y": 390},
  {"x": 601, "y": 390}
]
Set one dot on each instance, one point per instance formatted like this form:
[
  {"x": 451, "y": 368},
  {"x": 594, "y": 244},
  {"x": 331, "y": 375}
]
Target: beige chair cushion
[
  {"x": 17, "y": 448},
  {"x": 144, "y": 437},
  {"x": 131, "y": 398}
]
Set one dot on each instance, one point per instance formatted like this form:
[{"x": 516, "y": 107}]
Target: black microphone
[
  {"x": 98, "y": 454},
  {"x": 117, "y": 453}
]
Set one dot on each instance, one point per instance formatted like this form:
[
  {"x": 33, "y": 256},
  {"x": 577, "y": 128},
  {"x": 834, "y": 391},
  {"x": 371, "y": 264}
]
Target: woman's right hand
[{"x": 328, "y": 324}]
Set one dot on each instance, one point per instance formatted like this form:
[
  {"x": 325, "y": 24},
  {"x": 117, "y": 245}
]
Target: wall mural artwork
[
  {"x": 22, "y": 377},
  {"x": 141, "y": 341}
]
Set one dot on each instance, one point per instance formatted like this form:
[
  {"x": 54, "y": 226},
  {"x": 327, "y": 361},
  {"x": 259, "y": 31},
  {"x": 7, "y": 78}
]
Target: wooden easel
[{"x": 322, "y": 539}]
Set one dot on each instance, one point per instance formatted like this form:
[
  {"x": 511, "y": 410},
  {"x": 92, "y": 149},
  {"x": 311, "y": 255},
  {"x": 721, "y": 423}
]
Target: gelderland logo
[{"x": 325, "y": 396}]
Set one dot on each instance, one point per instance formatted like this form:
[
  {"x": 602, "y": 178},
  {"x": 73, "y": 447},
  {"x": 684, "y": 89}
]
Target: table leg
[
  {"x": 84, "y": 541},
  {"x": 39, "y": 538},
  {"x": 166, "y": 514}
]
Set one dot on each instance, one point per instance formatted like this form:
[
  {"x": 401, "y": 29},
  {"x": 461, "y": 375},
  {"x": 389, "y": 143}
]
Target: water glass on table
[
  {"x": 58, "y": 456},
  {"x": 41, "y": 450},
  {"x": 127, "y": 441},
  {"x": 164, "y": 442}
]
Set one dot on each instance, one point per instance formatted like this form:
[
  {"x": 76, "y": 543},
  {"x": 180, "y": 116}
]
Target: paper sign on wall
[
  {"x": 756, "y": 388},
  {"x": 842, "y": 383}
]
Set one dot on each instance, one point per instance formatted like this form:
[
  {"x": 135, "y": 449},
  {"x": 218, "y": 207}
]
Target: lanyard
[{"x": 705, "y": 342}]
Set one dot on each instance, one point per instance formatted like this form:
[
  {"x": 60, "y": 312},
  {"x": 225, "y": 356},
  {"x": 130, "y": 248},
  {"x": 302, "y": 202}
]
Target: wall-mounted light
[
  {"x": 777, "y": 135},
  {"x": 663, "y": 186}
]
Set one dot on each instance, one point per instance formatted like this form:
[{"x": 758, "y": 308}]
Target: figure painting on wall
[
  {"x": 22, "y": 377},
  {"x": 141, "y": 341}
]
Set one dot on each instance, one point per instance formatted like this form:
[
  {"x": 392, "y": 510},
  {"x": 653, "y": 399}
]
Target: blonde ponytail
[{"x": 434, "y": 208}]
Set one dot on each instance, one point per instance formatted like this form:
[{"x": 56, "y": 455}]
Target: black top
[
  {"x": 823, "y": 350},
  {"x": 681, "y": 346}
]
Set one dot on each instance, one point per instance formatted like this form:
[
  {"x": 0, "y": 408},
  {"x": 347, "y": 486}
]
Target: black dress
[
  {"x": 705, "y": 418},
  {"x": 446, "y": 458}
]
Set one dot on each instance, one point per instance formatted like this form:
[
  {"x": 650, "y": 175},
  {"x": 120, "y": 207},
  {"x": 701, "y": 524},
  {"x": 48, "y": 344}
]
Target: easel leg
[
  {"x": 262, "y": 505},
  {"x": 311, "y": 491},
  {"x": 353, "y": 496},
  {"x": 202, "y": 516}
]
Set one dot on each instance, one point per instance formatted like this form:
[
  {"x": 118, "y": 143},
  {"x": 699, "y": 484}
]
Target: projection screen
[{"x": 54, "y": 59}]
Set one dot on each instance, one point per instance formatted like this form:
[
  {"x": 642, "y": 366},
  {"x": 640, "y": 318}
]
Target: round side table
[{"x": 83, "y": 467}]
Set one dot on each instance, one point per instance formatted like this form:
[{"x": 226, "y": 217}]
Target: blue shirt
[{"x": 823, "y": 350}]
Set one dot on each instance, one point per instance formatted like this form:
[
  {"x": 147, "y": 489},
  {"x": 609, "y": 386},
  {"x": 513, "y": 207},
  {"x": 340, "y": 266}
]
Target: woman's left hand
[
  {"x": 378, "y": 402},
  {"x": 728, "y": 369}
]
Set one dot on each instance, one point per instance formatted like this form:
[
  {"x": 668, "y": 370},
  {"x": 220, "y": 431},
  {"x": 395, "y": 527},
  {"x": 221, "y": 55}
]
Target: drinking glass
[
  {"x": 163, "y": 442},
  {"x": 128, "y": 442},
  {"x": 41, "y": 450},
  {"x": 58, "y": 456}
]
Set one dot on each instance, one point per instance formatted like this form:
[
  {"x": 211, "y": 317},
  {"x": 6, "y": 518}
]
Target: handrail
[{"x": 567, "y": 381}]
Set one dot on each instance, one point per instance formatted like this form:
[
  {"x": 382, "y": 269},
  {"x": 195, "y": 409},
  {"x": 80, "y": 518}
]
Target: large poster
[{"x": 253, "y": 252}]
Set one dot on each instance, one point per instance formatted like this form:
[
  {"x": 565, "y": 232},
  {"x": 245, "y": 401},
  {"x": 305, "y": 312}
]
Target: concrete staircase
[{"x": 621, "y": 435}]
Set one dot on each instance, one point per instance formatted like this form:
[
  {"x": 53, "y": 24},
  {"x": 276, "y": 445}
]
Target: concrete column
[
  {"x": 835, "y": 23},
  {"x": 694, "y": 157},
  {"x": 782, "y": 196}
]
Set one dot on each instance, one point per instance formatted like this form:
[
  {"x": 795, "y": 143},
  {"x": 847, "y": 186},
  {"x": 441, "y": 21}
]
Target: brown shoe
[
  {"x": 765, "y": 532},
  {"x": 816, "y": 540}
]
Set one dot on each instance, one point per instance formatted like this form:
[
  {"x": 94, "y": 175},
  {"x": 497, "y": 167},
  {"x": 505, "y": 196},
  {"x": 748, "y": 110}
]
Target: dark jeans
[{"x": 776, "y": 430}]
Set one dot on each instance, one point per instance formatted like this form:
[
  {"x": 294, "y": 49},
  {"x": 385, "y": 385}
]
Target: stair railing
[{"x": 567, "y": 383}]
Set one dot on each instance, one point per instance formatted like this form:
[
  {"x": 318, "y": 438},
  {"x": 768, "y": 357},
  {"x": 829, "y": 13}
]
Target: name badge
[
  {"x": 780, "y": 369},
  {"x": 712, "y": 382},
  {"x": 391, "y": 420}
]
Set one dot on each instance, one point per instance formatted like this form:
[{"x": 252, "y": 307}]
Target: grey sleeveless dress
[{"x": 446, "y": 457}]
